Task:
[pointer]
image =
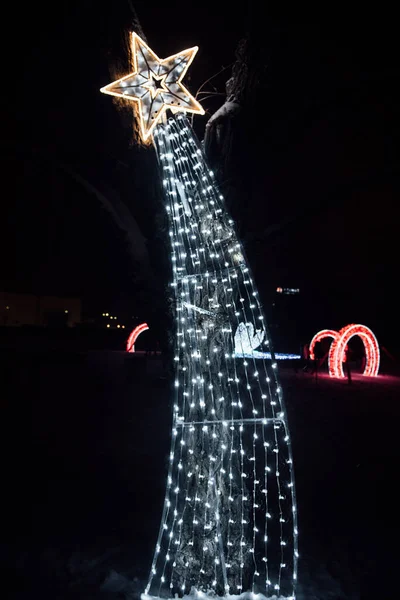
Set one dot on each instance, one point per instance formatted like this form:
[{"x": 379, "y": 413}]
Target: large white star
[{"x": 155, "y": 85}]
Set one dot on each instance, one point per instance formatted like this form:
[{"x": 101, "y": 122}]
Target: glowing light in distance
[
  {"x": 318, "y": 337},
  {"x": 130, "y": 344},
  {"x": 337, "y": 351}
]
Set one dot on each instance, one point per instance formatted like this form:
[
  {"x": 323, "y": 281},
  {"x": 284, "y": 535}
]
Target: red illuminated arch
[
  {"x": 337, "y": 352},
  {"x": 130, "y": 345},
  {"x": 321, "y": 335}
]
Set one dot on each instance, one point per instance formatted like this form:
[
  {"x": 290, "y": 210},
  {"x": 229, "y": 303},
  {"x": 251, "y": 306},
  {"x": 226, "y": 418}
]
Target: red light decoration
[
  {"x": 318, "y": 337},
  {"x": 337, "y": 351},
  {"x": 130, "y": 344}
]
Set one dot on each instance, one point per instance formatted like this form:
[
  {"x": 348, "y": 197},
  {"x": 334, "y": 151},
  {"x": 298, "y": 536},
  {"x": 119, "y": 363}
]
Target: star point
[{"x": 155, "y": 85}]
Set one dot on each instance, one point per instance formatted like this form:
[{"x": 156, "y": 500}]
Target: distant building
[
  {"x": 28, "y": 309},
  {"x": 287, "y": 318}
]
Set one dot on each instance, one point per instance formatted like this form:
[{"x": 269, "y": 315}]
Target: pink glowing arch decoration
[
  {"x": 337, "y": 351},
  {"x": 130, "y": 344},
  {"x": 318, "y": 337}
]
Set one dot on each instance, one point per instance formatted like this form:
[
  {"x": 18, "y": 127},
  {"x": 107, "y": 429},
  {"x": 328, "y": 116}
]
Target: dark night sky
[{"x": 327, "y": 151}]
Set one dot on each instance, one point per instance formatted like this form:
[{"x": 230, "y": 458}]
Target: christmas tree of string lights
[{"x": 229, "y": 523}]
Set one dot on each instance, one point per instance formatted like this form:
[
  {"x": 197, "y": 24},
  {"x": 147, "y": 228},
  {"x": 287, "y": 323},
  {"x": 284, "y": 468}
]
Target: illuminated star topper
[{"x": 155, "y": 85}]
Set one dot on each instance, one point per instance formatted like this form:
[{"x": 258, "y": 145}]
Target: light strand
[{"x": 230, "y": 406}]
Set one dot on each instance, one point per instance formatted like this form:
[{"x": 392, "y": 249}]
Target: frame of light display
[{"x": 229, "y": 521}]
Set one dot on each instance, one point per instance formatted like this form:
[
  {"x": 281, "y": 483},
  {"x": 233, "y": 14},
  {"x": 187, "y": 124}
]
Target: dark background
[
  {"x": 84, "y": 434},
  {"x": 84, "y": 445},
  {"x": 319, "y": 174}
]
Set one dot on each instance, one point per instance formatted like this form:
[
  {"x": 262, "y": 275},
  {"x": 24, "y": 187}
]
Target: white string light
[
  {"x": 213, "y": 534},
  {"x": 229, "y": 523}
]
